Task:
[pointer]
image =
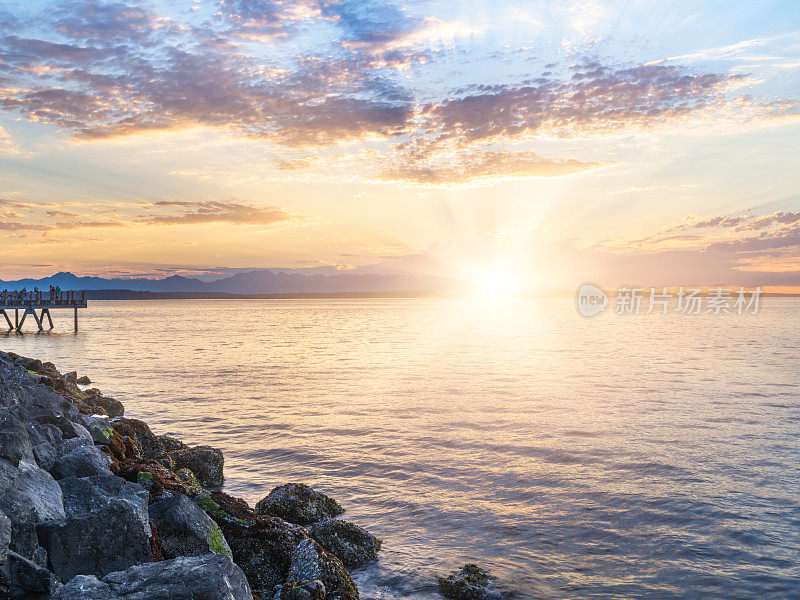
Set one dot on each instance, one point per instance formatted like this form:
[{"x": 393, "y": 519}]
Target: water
[{"x": 614, "y": 457}]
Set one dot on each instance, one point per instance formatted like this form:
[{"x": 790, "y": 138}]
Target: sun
[{"x": 496, "y": 281}]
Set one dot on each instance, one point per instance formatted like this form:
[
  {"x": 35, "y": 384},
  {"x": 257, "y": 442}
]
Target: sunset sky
[{"x": 634, "y": 142}]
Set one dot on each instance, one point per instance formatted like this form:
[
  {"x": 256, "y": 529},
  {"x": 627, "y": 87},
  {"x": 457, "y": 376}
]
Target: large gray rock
[
  {"x": 28, "y": 497},
  {"x": 100, "y": 429},
  {"x": 209, "y": 577},
  {"x": 42, "y": 490},
  {"x": 85, "y": 495},
  {"x": 185, "y": 529},
  {"x": 21, "y": 513},
  {"x": 45, "y": 455},
  {"x": 29, "y": 580},
  {"x": 86, "y": 587},
  {"x": 68, "y": 427},
  {"x": 15, "y": 443},
  {"x": 83, "y": 461},
  {"x": 310, "y": 561},
  {"x": 348, "y": 542},
  {"x": 298, "y": 503},
  {"x": 5, "y": 536},
  {"x": 204, "y": 461},
  {"x": 107, "y": 528},
  {"x": 44, "y": 439},
  {"x": 8, "y": 475}
]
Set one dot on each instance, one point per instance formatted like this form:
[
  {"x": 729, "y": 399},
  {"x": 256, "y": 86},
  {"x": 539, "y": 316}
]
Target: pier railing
[{"x": 31, "y": 301}]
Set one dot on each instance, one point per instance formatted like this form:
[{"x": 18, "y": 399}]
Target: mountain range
[{"x": 262, "y": 281}]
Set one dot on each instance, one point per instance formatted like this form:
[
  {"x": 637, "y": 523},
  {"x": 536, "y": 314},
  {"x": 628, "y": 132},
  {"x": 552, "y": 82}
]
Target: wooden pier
[{"x": 44, "y": 302}]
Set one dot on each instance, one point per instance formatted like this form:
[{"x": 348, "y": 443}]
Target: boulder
[
  {"x": 209, "y": 577},
  {"x": 21, "y": 513},
  {"x": 185, "y": 529},
  {"x": 348, "y": 542},
  {"x": 71, "y": 377},
  {"x": 15, "y": 443},
  {"x": 311, "y": 561},
  {"x": 100, "y": 429},
  {"x": 298, "y": 503},
  {"x": 44, "y": 438},
  {"x": 69, "y": 428},
  {"x": 68, "y": 445},
  {"x": 29, "y": 364},
  {"x": 112, "y": 407},
  {"x": 300, "y": 590},
  {"x": 261, "y": 546},
  {"x": 83, "y": 461},
  {"x": 147, "y": 442},
  {"x": 155, "y": 478},
  {"x": 41, "y": 490},
  {"x": 85, "y": 495},
  {"x": 45, "y": 455},
  {"x": 29, "y": 580},
  {"x": 204, "y": 461},
  {"x": 84, "y": 380},
  {"x": 107, "y": 528},
  {"x": 49, "y": 369},
  {"x": 171, "y": 444},
  {"x": 470, "y": 583},
  {"x": 5, "y": 536},
  {"x": 85, "y": 587}
]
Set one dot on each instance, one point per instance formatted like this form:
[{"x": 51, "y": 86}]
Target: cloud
[
  {"x": 263, "y": 20},
  {"x": 100, "y": 22},
  {"x": 216, "y": 212},
  {"x": 15, "y": 203},
  {"x": 745, "y": 222},
  {"x": 783, "y": 238},
  {"x": 719, "y": 222},
  {"x": 21, "y": 227},
  {"x": 167, "y": 212},
  {"x": 486, "y": 164},
  {"x": 102, "y": 70},
  {"x": 88, "y": 224},
  {"x": 782, "y": 218},
  {"x": 740, "y": 51},
  {"x": 7, "y": 144},
  {"x": 596, "y": 97}
]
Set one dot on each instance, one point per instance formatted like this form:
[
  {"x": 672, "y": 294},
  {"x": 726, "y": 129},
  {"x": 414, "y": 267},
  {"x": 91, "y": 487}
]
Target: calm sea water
[{"x": 614, "y": 457}]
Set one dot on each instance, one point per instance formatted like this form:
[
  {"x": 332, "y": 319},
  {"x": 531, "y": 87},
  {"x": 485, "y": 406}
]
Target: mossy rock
[
  {"x": 217, "y": 541},
  {"x": 470, "y": 583},
  {"x": 188, "y": 476}
]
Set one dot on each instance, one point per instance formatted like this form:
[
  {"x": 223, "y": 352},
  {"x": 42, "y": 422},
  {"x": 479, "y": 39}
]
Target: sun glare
[{"x": 497, "y": 281}]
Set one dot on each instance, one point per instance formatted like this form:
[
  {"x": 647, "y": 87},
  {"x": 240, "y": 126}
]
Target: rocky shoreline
[{"x": 95, "y": 506}]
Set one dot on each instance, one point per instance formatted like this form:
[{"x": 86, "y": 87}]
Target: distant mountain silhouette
[{"x": 252, "y": 282}]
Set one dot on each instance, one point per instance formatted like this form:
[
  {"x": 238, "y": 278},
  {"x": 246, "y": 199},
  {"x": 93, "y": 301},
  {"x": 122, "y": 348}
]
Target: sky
[{"x": 629, "y": 142}]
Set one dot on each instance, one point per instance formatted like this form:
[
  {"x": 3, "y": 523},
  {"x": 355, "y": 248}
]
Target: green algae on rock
[{"x": 469, "y": 583}]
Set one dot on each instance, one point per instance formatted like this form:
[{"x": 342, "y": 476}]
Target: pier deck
[{"x": 31, "y": 302}]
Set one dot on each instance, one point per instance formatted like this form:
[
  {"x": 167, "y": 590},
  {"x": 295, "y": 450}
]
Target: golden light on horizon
[{"x": 497, "y": 281}]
